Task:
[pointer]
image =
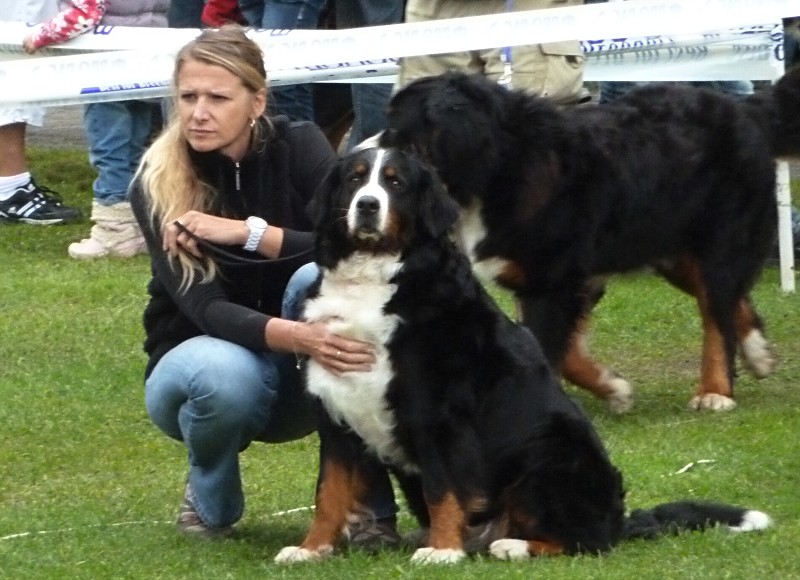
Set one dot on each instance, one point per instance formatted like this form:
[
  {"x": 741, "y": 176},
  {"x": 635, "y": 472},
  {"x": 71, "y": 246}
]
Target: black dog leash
[{"x": 229, "y": 258}]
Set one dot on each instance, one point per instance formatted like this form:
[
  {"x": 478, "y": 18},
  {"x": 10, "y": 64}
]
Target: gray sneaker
[
  {"x": 373, "y": 535},
  {"x": 190, "y": 523}
]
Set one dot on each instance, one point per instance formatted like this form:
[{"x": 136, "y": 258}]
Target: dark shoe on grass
[
  {"x": 373, "y": 535},
  {"x": 37, "y": 205},
  {"x": 190, "y": 523}
]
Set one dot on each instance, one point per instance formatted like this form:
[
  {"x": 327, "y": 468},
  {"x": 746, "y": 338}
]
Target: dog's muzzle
[{"x": 367, "y": 217}]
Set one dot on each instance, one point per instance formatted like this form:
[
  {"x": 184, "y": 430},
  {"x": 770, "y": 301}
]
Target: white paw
[
  {"x": 752, "y": 521},
  {"x": 295, "y": 554},
  {"x": 757, "y": 355},
  {"x": 434, "y": 556},
  {"x": 620, "y": 397},
  {"x": 507, "y": 549},
  {"x": 712, "y": 402}
]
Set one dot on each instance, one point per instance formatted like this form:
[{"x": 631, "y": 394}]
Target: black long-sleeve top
[{"x": 275, "y": 182}]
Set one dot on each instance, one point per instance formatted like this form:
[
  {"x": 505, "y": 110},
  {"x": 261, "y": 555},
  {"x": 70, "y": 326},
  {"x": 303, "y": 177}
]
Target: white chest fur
[
  {"x": 470, "y": 231},
  {"x": 351, "y": 302}
]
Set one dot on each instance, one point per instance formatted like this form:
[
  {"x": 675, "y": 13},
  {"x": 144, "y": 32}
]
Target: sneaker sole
[{"x": 52, "y": 222}]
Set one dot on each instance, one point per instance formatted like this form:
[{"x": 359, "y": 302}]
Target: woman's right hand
[{"x": 334, "y": 352}]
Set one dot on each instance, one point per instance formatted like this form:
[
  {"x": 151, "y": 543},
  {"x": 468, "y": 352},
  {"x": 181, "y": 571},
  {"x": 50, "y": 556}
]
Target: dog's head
[
  {"x": 382, "y": 201},
  {"x": 472, "y": 130},
  {"x": 451, "y": 121}
]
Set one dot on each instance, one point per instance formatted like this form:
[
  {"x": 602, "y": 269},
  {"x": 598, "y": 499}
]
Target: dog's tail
[
  {"x": 676, "y": 517},
  {"x": 779, "y": 108}
]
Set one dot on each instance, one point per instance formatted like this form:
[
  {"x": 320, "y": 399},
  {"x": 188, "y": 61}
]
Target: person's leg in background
[
  {"x": 185, "y": 13},
  {"x": 294, "y": 101},
  {"x": 21, "y": 199},
  {"x": 117, "y": 133},
  {"x": 369, "y": 99}
]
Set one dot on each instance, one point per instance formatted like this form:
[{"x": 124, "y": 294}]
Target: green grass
[{"x": 90, "y": 489}]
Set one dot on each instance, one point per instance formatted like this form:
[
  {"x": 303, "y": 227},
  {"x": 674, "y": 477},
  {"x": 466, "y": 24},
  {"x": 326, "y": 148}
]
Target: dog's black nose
[{"x": 368, "y": 205}]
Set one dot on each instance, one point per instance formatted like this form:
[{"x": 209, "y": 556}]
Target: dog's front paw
[
  {"x": 295, "y": 554},
  {"x": 509, "y": 549},
  {"x": 435, "y": 556},
  {"x": 712, "y": 402}
]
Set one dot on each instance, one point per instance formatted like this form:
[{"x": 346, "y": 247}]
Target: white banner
[{"x": 109, "y": 64}]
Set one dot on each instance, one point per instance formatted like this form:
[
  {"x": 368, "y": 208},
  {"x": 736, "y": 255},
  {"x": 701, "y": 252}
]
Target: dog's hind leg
[
  {"x": 718, "y": 308},
  {"x": 562, "y": 328},
  {"x": 579, "y": 368},
  {"x": 511, "y": 549},
  {"x": 757, "y": 354}
]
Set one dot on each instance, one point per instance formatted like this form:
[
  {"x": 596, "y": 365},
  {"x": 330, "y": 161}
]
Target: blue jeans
[
  {"x": 117, "y": 133},
  {"x": 369, "y": 99},
  {"x": 294, "y": 101},
  {"x": 185, "y": 13},
  {"x": 218, "y": 397},
  {"x": 610, "y": 90}
]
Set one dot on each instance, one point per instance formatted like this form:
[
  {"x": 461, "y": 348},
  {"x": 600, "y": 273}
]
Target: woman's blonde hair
[{"x": 167, "y": 175}]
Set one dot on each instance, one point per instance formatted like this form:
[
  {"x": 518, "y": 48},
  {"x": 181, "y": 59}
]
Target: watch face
[{"x": 256, "y": 222}]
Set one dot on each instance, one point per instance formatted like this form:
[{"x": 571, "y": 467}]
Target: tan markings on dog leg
[
  {"x": 582, "y": 370},
  {"x": 335, "y": 497},
  {"x": 758, "y": 356},
  {"x": 714, "y": 391},
  {"x": 448, "y": 522}
]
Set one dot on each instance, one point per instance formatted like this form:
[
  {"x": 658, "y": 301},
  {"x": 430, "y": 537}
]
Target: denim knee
[
  {"x": 210, "y": 387},
  {"x": 297, "y": 289}
]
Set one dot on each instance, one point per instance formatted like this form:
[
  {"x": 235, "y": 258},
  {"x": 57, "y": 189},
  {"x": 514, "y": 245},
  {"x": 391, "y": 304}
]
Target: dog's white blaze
[
  {"x": 470, "y": 231},
  {"x": 372, "y": 188},
  {"x": 351, "y": 302}
]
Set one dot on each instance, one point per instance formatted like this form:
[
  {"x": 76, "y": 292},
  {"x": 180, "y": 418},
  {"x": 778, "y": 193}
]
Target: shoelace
[{"x": 47, "y": 194}]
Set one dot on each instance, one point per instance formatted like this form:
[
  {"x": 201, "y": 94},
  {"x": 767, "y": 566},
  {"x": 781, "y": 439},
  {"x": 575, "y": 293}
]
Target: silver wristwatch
[{"x": 257, "y": 228}]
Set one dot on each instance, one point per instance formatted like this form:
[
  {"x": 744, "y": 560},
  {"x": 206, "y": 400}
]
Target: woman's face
[{"x": 216, "y": 109}]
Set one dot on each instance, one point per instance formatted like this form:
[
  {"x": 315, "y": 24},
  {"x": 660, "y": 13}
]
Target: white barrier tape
[
  {"x": 612, "y": 20},
  {"x": 750, "y": 53}
]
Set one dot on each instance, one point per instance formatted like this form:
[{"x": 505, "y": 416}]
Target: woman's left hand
[{"x": 211, "y": 228}]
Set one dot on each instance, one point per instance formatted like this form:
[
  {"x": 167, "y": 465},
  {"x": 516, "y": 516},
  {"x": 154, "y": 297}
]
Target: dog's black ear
[
  {"x": 319, "y": 208},
  {"x": 438, "y": 212}
]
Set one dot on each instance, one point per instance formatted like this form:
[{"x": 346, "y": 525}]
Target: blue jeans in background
[
  {"x": 185, "y": 13},
  {"x": 369, "y": 99},
  {"x": 610, "y": 90},
  {"x": 117, "y": 133},
  {"x": 218, "y": 397},
  {"x": 294, "y": 101}
]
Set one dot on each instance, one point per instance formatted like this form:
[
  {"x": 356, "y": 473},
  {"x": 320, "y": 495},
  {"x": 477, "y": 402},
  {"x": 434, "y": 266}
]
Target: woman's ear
[{"x": 259, "y": 103}]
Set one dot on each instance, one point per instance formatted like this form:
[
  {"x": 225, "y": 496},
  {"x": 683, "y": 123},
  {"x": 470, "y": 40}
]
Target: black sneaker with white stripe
[{"x": 35, "y": 204}]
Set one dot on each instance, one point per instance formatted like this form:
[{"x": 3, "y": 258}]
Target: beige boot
[{"x": 114, "y": 233}]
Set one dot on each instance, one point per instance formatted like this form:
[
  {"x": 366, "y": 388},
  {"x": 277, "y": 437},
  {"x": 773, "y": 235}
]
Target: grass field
[{"x": 90, "y": 489}]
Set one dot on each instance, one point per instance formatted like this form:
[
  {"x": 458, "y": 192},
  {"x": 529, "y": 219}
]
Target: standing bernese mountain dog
[
  {"x": 461, "y": 404},
  {"x": 671, "y": 177}
]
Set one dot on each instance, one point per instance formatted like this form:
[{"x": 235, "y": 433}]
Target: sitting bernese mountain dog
[
  {"x": 461, "y": 405},
  {"x": 669, "y": 177}
]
